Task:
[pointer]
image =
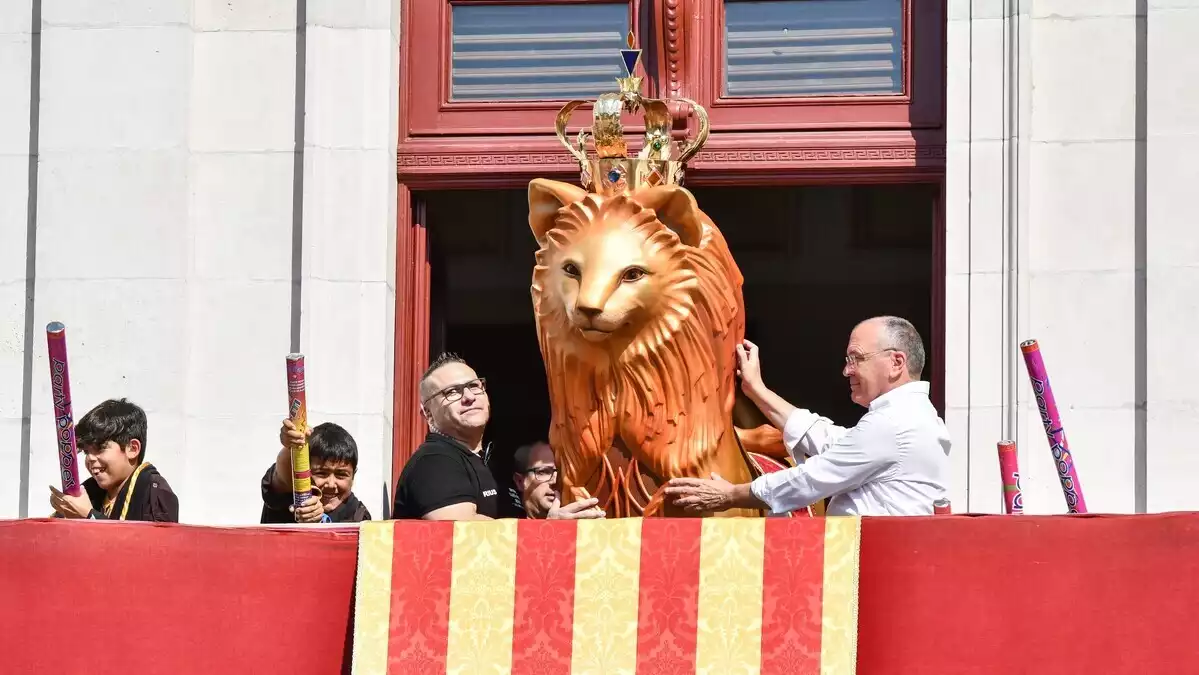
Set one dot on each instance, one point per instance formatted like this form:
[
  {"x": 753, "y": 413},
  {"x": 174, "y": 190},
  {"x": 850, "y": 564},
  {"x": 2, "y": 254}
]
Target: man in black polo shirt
[{"x": 447, "y": 477}]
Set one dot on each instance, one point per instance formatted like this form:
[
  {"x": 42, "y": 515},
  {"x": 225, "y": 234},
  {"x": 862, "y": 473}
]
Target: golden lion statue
[{"x": 639, "y": 310}]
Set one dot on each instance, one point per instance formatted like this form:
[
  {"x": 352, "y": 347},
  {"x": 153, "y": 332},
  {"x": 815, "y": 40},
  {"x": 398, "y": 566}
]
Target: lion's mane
[{"x": 669, "y": 393}]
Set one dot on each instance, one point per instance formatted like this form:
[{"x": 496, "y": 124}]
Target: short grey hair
[{"x": 901, "y": 335}]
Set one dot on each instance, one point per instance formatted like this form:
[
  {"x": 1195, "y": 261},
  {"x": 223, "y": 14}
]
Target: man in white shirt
[{"x": 894, "y": 462}]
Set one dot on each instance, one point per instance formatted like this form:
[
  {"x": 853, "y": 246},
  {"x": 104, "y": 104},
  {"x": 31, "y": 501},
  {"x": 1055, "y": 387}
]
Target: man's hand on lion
[
  {"x": 584, "y": 509},
  {"x": 699, "y": 495},
  {"x": 749, "y": 367}
]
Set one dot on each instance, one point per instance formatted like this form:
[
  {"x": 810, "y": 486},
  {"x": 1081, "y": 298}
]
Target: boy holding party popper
[
  {"x": 333, "y": 458},
  {"x": 112, "y": 438}
]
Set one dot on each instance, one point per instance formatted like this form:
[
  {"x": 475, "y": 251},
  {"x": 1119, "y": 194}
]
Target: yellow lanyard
[{"x": 132, "y": 480}]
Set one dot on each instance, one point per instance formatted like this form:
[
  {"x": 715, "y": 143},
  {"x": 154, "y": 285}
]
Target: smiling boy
[
  {"x": 333, "y": 458},
  {"x": 112, "y": 438}
]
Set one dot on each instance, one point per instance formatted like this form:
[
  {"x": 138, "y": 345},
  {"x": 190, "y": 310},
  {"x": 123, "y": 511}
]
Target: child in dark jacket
[
  {"x": 112, "y": 438},
  {"x": 333, "y": 457}
]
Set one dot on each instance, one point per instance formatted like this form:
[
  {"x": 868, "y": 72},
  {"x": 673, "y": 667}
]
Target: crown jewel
[{"x": 613, "y": 171}]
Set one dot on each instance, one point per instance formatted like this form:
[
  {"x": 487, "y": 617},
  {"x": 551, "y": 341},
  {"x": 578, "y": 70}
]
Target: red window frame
[
  {"x": 425, "y": 105},
  {"x": 920, "y": 106}
]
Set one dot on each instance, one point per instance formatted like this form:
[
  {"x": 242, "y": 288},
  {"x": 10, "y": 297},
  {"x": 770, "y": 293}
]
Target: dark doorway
[
  {"x": 481, "y": 254},
  {"x": 816, "y": 260}
]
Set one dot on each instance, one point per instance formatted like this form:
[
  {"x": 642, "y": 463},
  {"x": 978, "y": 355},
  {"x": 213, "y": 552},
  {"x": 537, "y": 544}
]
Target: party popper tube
[
  {"x": 1009, "y": 472},
  {"x": 1052, "y": 421},
  {"x": 64, "y": 419},
  {"x": 941, "y": 507},
  {"x": 297, "y": 411}
]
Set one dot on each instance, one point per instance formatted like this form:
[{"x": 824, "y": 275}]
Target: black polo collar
[{"x": 485, "y": 455}]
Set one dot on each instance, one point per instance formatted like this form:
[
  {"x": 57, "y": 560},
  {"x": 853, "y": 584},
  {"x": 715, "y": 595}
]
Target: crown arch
[{"x": 472, "y": 114}]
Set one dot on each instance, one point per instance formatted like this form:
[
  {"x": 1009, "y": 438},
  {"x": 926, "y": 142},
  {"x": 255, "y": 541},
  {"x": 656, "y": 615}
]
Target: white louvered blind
[
  {"x": 813, "y": 47},
  {"x": 546, "y": 51}
]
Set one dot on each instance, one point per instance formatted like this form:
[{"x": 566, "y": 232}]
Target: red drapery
[{"x": 952, "y": 594}]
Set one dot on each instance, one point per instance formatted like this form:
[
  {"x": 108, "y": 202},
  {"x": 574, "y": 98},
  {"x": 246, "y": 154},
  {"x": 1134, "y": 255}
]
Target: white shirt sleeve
[
  {"x": 850, "y": 460},
  {"x": 806, "y": 433}
]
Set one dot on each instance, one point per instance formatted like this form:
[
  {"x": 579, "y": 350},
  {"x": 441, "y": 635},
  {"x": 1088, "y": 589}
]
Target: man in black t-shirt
[{"x": 447, "y": 477}]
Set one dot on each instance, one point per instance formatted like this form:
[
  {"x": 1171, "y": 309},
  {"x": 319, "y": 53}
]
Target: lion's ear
[
  {"x": 676, "y": 208},
  {"x": 546, "y": 197}
]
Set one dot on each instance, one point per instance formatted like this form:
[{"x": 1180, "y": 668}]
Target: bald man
[{"x": 894, "y": 462}]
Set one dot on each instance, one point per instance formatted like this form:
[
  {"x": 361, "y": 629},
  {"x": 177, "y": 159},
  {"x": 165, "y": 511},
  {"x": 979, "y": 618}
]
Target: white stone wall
[
  {"x": 1172, "y": 254},
  {"x": 196, "y": 220},
  {"x": 1068, "y": 128}
]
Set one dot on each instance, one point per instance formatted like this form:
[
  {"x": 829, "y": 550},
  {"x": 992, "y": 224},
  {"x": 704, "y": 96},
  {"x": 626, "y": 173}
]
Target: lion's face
[
  {"x": 616, "y": 271},
  {"x": 609, "y": 280}
]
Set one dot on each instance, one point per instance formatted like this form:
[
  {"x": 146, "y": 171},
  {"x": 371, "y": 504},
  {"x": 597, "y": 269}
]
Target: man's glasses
[
  {"x": 854, "y": 360},
  {"x": 543, "y": 474},
  {"x": 451, "y": 394}
]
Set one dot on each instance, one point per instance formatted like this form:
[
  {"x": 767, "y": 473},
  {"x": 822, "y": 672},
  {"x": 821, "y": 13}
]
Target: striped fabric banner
[{"x": 713, "y": 596}]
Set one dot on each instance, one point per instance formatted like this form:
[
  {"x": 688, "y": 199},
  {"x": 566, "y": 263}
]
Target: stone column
[
  {"x": 347, "y": 328},
  {"x": 1079, "y": 254},
  {"x": 982, "y": 204},
  {"x": 242, "y": 211},
  {"x": 20, "y": 35},
  {"x": 1042, "y": 231},
  {"x": 1171, "y": 253},
  {"x": 112, "y": 227}
]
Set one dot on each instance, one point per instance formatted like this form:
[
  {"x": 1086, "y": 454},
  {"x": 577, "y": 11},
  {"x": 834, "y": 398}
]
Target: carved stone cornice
[{"x": 727, "y": 158}]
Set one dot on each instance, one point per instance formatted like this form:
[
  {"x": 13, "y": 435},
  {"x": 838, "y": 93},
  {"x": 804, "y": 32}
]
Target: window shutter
[
  {"x": 813, "y": 48},
  {"x": 536, "y": 52}
]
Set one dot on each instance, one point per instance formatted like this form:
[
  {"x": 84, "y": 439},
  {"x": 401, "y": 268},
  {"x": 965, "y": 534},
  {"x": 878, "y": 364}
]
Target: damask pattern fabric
[{"x": 712, "y": 596}]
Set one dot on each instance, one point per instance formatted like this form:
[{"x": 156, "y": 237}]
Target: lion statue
[{"x": 639, "y": 311}]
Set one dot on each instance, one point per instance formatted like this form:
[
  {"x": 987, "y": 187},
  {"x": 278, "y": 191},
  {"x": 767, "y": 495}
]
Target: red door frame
[
  {"x": 411, "y": 330},
  {"x": 813, "y": 157}
]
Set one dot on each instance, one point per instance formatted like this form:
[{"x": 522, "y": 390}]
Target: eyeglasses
[
  {"x": 853, "y": 360},
  {"x": 543, "y": 474},
  {"x": 451, "y": 394}
]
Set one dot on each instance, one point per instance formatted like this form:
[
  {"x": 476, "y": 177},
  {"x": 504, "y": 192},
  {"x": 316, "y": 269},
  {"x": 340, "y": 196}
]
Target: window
[
  {"x": 482, "y": 81},
  {"x": 475, "y": 67},
  {"x": 805, "y": 48},
  {"x": 535, "y": 52},
  {"x": 791, "y": 65}
]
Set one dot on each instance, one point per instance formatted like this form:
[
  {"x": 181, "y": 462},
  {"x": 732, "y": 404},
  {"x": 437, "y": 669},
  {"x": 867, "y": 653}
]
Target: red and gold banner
[{"x": 713, "y": 595}]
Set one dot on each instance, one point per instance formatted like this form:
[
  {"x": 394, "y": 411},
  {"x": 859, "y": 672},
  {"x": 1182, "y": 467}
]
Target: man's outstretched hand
[
  {"x": 583, "y": 509},
  {"x": 699, "y": 495}
]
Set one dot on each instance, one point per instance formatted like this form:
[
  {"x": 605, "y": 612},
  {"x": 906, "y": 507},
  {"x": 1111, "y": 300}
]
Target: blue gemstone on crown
[
  {"x": 614, "y": 176},
  {"x": 630, "y": 57}
]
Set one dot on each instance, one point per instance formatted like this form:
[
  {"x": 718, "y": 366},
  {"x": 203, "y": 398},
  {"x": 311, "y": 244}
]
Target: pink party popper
[
  {"x": 64, "y": 419},
  {"x": 1052, "y": 421},
  {"x": 1009, "y": 472}
]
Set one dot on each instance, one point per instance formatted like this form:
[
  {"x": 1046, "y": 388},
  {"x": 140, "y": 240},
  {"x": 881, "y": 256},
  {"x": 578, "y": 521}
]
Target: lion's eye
[
  {"x": 632, "y": 274},
  {"x": 571, "y": 269}
]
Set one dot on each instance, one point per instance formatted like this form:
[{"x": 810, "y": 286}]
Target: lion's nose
[{"x": 588, "y": 311}]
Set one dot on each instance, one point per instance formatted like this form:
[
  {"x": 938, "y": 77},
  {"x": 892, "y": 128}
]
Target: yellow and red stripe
[{"x": 751, "y": 596}]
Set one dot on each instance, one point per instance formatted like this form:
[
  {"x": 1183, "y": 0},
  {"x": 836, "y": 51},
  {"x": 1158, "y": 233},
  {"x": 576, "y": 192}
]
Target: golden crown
[{"x": 660, "y": 160}]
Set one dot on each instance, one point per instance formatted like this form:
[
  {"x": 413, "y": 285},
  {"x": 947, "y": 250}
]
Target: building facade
[{"x": 198, "y": 188}]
